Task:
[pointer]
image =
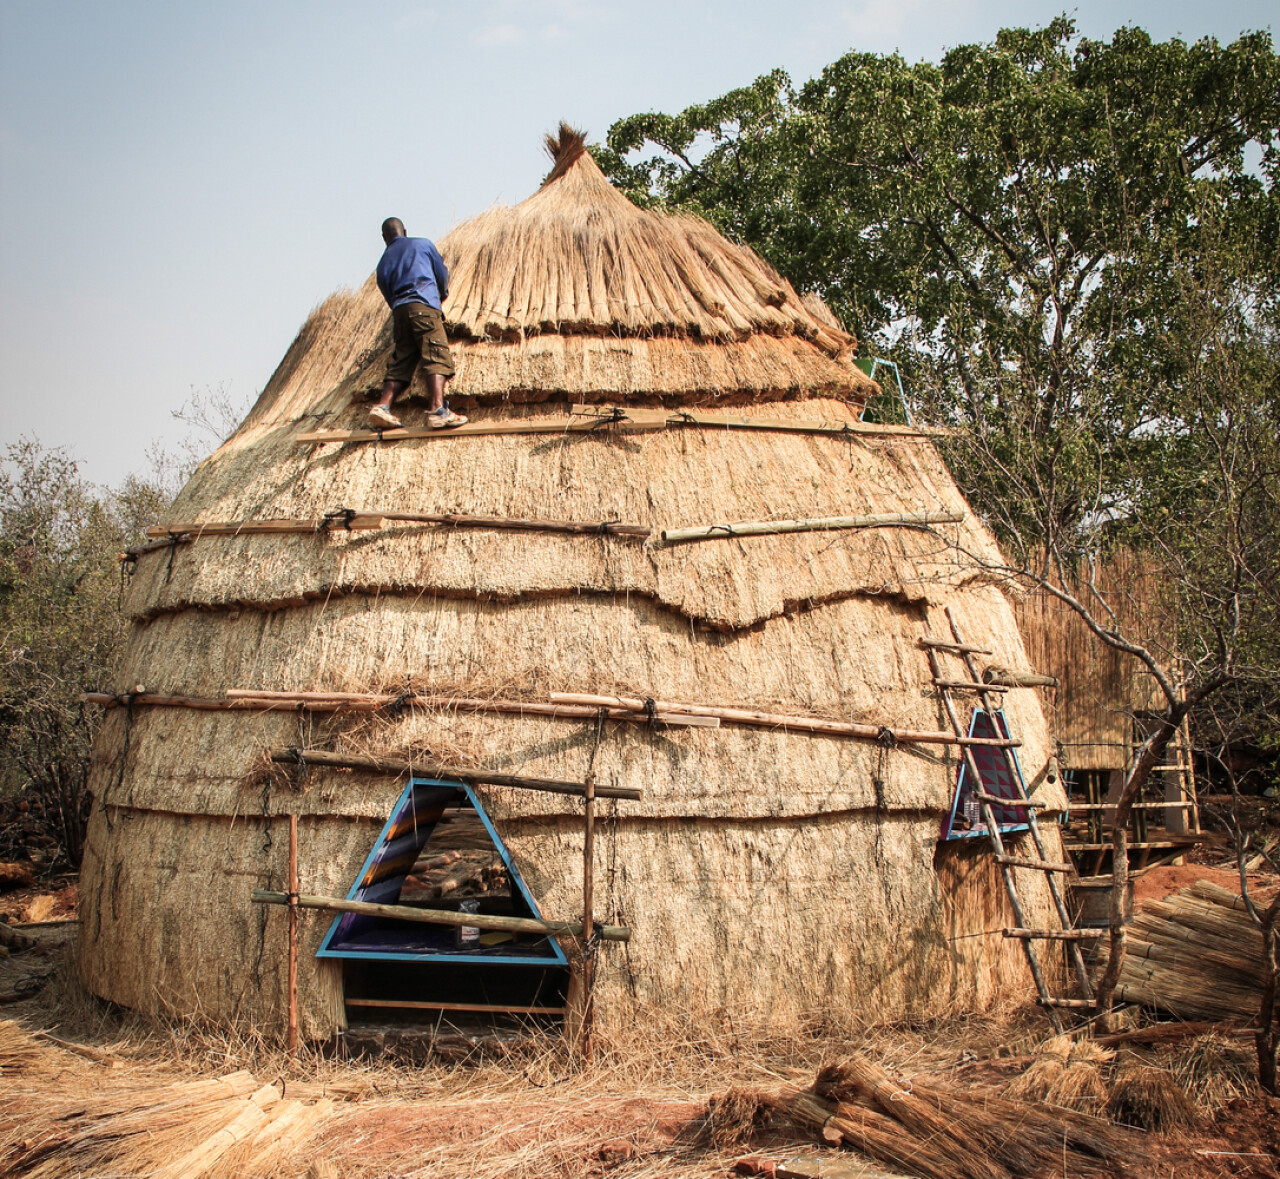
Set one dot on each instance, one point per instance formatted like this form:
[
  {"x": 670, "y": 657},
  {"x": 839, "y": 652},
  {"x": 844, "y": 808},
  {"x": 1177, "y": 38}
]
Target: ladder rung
[
  {"x": 1039, "y": 865},
  {"x": 968, "y": 686},
  {"x": 1075, "y": 1004},
  {"x": 1057, "y": 935},
  {"x": 990, "y": 742},
  {"x": 1011, "y": 803},
  {"x": 959, "y": 648}
]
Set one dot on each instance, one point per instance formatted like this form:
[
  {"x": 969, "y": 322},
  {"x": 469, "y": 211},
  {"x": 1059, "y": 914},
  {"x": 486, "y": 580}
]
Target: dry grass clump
[
  {"x": 1214, "y": 1071},
  {"x": 1066, "y": 1073},
  {"x": 737, "y": 1114},
  {"x": 1149, "y": 1098},
  {"x": 937, "y": 1130}
]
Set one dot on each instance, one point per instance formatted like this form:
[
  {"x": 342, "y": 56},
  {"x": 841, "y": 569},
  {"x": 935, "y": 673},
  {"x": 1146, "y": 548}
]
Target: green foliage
[
  {"x": 61, "y": 631},
  {"x": 1005, "y": 221},
  {"x": 1072, "y": 248}
]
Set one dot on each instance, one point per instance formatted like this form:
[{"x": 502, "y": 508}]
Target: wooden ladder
[{"x": 991, "y": 698}]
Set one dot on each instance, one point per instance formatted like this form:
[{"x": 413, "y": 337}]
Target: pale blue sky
[{"x": 181, "y": 182}]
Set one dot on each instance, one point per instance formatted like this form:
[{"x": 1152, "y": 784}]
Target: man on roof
[{"x": 415, "y": 283}]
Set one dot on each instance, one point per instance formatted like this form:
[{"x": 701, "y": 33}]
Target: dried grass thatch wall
[
  {"x": 774, "y": 873},
  {"x": 1091, "y": 713}
]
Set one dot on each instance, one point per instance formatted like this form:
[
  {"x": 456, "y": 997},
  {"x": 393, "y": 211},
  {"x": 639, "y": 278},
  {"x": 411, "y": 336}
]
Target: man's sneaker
[
  {"x": 444, "y": 418},
  {"x": 381, "y": 418}
]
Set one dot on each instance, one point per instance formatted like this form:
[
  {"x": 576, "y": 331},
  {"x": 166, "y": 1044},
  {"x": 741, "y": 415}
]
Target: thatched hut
[{"x": 767, "y": 870}]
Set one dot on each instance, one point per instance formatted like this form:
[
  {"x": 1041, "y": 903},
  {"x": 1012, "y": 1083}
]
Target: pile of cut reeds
[
  {"x": 940, "y": 1133},
  {"x": 205, "y": 1129},
  {"x": 1196, "y": 955}
]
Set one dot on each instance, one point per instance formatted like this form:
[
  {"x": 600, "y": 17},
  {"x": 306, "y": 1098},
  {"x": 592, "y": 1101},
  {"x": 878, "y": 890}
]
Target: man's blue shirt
[{"x": 412, "y": 271}]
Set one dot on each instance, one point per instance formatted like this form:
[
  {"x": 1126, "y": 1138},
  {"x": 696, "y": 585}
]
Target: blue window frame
[
  {"x": 994, "y": 770},
  {"x": 381, "y": 877}
]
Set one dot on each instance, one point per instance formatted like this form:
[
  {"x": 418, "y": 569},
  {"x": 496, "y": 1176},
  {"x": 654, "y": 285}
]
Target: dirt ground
[{"x": 638, "y": 1112}]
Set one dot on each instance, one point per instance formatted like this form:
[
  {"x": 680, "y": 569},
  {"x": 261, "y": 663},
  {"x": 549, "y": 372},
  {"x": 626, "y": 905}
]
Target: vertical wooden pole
[
  {"x": 588, "y": 919},
  {"x": 292, "y": 1041}
]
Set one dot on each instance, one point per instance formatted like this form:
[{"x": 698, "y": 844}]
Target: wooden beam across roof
[{"x": 588, "y": 419}]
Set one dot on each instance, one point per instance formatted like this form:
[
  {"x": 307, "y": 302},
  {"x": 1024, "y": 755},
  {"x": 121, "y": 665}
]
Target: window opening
[
  {"x": 965, "y": 818},
  {"x": 439, "y": 850}
]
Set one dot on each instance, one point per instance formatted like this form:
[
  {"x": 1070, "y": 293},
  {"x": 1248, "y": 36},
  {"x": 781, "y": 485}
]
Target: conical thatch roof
[
  {"x": 749, "y": 843},
  {"x": 578, "y": 258}
]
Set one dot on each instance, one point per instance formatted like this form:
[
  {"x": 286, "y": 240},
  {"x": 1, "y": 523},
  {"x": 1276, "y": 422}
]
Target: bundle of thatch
[
  {"x": 940, "y": 1133},
  {"x": 1066, "y": 1072},
  {"x": 207, "y": 1129},
  {"x": 1196, "y": 955}
]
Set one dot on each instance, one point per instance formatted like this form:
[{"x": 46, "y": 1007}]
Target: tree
[
  {"x": 61, "y": 630},
  {"x": 1074, "y": 247}
]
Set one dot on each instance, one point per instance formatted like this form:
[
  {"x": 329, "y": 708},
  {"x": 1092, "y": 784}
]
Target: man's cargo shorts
[{"x": 418, "y": 331}]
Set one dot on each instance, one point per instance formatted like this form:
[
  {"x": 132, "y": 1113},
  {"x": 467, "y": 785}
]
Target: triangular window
[
  {"x": 439, "y": 850},
  {"x": 965, "y": 818}
]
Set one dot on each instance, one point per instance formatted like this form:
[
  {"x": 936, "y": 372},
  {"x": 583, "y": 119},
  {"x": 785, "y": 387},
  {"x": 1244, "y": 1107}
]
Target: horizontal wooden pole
[
  {"x": 575, "y": 706},
  {"x": 155, "y": 700},
  {"x": 609, "y": 933},
  {"x": 954, "y": 648},
  {"x": 837, "y": 426},
  {"x": 741, "y": 716},
  {"x": 1040, "y": 865},
  {"x": 1012, "y": 803},
  {"x": 360, "y": 522},
  {"x": 459, "y": 520},
  {"x": 595, "y": 418},
  {"x": 1069, "y": 1004},
  {"x": 556, "y": 425},
  {"x": 386, "y": 765},
  {"x": 816, "y": 524},
  {"x": 369, "y": 702},
  {"x": 1010, "y": 678},
  {"x": 423, "y": 1005},
  {"x": 966, "y": 686},
  {"x": 153, "y": 546},
  {"x": 1056, "y": 935}
]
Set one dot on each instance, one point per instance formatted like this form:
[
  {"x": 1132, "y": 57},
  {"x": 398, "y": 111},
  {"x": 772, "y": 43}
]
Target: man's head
[{"x": 392, "y": 228}]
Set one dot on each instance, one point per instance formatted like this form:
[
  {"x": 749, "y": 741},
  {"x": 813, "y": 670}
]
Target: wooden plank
[
  {"x": 468, "y": 774},
  {"x": 815, "y": 524},
  {"x": 1035, "y": 865},
  {"x": 422, "y": 1005},
  {"x": 1057, "y": 935},
  {"x": 610, "y": 933}
]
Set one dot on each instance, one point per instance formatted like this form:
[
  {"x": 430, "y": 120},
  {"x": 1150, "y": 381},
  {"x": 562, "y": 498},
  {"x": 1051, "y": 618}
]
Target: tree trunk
[
  {"x": 1266, "y": 1035},
  {"x": 1150, "y": 756}
]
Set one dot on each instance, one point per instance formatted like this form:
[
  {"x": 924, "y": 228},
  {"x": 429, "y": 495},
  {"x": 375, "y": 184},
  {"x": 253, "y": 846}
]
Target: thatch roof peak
[
  {"x": 578, "y": 258},
  {"x": 565, "y": 150}
]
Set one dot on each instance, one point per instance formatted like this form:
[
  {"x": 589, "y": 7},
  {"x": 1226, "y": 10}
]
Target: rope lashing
[
  {"x": 886, "y": 738},
  {"x": 614, "y": 416},
  {"x": 338, "y": 518},
  {"x": 651, "y": 709}
]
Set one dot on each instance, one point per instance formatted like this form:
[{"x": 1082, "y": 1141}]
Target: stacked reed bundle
[
  {"x": 938, "y": 1133},
  {"x": 1065, "y": 1073},
  {"x": 1197, "y": 955},
  {"x": 207, "y": 1129}
]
